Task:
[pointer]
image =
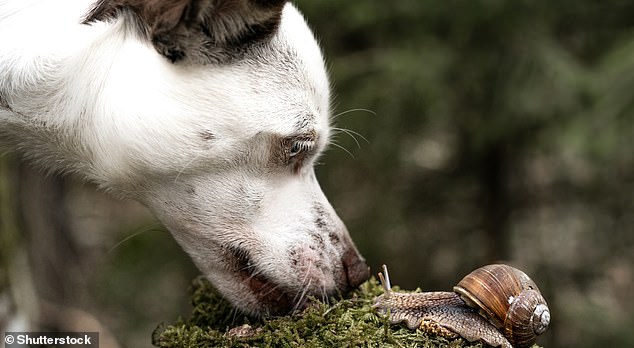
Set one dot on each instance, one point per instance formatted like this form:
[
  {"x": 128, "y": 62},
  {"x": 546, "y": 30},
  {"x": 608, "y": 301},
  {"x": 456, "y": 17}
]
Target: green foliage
[{"x": 343, "y": 323}]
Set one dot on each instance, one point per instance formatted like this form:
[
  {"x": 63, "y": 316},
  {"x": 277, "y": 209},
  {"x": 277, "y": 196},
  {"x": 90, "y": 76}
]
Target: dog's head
[{"x": 228, "y": 113}]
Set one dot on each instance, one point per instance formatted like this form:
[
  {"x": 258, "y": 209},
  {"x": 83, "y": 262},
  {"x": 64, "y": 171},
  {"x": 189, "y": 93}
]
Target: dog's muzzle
[{"x": 278, "y": 300}]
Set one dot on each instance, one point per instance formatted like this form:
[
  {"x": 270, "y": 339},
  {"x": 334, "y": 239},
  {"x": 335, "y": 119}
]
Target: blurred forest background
[{"x": 475, "y": 131}]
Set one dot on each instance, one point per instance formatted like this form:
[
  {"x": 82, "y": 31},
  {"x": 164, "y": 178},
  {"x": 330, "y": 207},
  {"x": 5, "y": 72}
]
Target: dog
[{"x": 211, "y": 113}]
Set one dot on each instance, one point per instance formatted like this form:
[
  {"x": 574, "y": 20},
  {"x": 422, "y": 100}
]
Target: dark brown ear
[{"x": 199, "y": 31}]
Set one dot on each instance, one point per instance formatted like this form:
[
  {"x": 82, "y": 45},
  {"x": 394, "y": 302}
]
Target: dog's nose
[{"x": 356, "y": 270}]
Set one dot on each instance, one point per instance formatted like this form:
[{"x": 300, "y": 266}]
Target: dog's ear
[{"x": 199, "y": 31}]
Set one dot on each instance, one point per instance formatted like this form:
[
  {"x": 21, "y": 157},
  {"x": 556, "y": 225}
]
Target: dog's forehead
[
  {"x": 283, "y": 83},
  {"x": 279, "y": 86}
]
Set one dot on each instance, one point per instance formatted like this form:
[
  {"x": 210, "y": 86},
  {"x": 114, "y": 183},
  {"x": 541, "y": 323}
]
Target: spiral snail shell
[
  {"x": 509, "y": 299},
  {"x": 497, "y": 304}
]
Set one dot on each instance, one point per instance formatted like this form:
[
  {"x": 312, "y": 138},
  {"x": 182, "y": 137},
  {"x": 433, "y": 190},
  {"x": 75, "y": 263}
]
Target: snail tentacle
[{"x": 384, "y": 278}]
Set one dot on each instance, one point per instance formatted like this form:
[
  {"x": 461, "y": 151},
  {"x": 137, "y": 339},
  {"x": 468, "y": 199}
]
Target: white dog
[{"x": 210, "y": 112}]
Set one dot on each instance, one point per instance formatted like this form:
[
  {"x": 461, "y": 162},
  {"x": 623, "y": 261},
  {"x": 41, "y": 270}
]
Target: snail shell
[{"x": 509, "y": 299}]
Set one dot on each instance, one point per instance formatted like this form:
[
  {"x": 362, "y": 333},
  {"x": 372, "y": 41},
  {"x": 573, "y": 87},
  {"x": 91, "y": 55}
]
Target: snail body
[{"x": 497, "y": 304}]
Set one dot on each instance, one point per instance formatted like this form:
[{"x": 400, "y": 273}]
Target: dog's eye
[{"x": 299, "y": 146}]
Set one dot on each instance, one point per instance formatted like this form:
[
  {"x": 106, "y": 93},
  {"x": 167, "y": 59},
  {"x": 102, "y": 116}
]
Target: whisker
[
  {"x": 132, "y": 192},
  {"x": 342, "y": 148},
  {"x": 234, "y": 315},
  {"x": 324, "y": 295},
  {"x": 347, "y": 130},
  {"x": 154, "y": 228},
  {"x": 373, "y": 113},
  {"x": 271, "y": 290},
  {"x": 185, "y": 167},
  {"x": 352, "y": 134},
  {"x": 254, "y": 274},
  {"x": 250, "y": 269},
  {"x": 302, "y": 295},
  {"x": 307, "y": 273}
]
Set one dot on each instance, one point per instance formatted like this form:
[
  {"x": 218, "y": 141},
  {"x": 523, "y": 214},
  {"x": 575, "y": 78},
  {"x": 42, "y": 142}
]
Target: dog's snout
[{"x": 355, "y": 268}]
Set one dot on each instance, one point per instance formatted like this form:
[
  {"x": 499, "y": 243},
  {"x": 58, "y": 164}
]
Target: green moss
[{"x": 347, "y": 322}]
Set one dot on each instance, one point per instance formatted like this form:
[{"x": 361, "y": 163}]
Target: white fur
[{"x": 99, "y": 101}]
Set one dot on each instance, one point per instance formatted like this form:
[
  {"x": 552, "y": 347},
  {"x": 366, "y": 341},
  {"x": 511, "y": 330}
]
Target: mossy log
[{"x": 349, "y": 322}]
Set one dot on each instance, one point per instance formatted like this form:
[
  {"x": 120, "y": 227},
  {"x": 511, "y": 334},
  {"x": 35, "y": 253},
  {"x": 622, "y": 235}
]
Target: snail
[{"x": 497, "y": 304}]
